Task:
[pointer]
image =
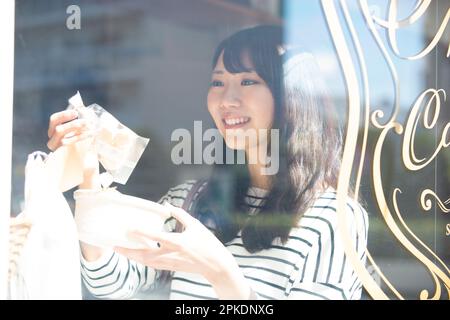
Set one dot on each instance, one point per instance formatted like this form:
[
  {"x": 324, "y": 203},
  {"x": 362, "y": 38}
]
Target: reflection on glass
[{"x": 148, "y": 63}]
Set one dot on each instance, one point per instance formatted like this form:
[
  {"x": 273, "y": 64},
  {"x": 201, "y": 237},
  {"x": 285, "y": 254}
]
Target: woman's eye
[
  {"x": 216, "y": 83},
  {"x": 248, "y": 82}
]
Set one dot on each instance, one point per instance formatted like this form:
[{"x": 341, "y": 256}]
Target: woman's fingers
[
  {"x": 12, "y": 269},
  {"x": 15, "y": 249},
  {"x": 18, "y": 230},
  {"x": 59, "y": 118},
  {"x": 68, "y": 129},
  {"x": 17, "y": 244},
  {"x": 169, "y": 261},
  {"x": 14, "y": 257},
  {"x": 166, "y": 240},
  {"x": 20, "y": 223},
  {"x": 76, "y": 138},
  {"x": 181, "y": 215},
  {"x": 138, "y": 236},
  {"x": 19, "y": 233}
]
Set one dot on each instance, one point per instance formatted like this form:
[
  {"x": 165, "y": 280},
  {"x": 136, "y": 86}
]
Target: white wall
[{"x": 6, "y": 107}]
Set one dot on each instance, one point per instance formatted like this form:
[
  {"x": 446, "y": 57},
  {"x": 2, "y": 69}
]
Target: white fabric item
[
  {"x": 104, "y": 217},
  {"x": 49, "y": 266}
]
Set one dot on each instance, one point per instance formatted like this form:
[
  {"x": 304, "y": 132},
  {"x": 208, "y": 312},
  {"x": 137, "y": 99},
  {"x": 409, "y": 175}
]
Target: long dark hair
[{"x": 310, "y": 143}]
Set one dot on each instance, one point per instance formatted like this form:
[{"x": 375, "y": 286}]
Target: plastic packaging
[{"x": 118, "y": 148}]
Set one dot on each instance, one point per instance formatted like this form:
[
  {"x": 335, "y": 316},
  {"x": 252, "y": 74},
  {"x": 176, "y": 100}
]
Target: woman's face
[{"x": 240, "y": 104}]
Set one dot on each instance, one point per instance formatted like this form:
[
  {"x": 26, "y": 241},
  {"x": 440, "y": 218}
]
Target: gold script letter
[{"x": 409, "y": 157}]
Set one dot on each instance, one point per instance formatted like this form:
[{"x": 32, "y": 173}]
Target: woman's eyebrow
[{"x": 244, "y": 71}]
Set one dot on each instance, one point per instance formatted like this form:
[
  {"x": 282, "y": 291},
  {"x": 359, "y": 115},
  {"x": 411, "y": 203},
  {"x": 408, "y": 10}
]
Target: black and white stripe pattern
[{"x": 311, "y": 265}]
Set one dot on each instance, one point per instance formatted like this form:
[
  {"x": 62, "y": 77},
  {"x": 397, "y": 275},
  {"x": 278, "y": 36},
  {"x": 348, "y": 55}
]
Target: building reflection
[{"x": 147, "y": 62}]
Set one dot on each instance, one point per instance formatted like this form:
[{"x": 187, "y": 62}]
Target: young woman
[{"x": 249, "y": 234}]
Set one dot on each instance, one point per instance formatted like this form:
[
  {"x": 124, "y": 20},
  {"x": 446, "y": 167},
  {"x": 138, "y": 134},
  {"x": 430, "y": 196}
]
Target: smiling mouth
[{"x": 231, "y": 123}]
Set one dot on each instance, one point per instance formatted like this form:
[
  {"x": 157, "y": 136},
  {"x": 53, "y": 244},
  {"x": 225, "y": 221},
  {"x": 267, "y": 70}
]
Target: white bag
[{"x": 49, "y": 266}]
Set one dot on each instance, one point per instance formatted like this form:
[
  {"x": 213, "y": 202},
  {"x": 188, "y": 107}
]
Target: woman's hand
[
  {"x": 195, "y": 250},
  {"x": 65, "y": 129},
  {"x": 18, "y": 234}
]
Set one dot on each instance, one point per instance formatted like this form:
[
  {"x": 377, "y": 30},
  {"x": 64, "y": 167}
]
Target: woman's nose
[{"x": 231, "y": 98}]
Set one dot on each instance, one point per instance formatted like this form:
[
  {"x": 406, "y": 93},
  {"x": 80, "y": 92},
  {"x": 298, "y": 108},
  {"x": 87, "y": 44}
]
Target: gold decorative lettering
[{"x": 431, "y": 98}]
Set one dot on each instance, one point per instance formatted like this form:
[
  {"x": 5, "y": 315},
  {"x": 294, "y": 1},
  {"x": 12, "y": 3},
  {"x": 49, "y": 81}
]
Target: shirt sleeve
[
  {"x": 114, "y": 276},
  {"x": 326, "y": 273}
]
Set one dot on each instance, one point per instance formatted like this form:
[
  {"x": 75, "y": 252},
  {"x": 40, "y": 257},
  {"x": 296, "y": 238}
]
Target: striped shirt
[{"x": 310, "y": 265}]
